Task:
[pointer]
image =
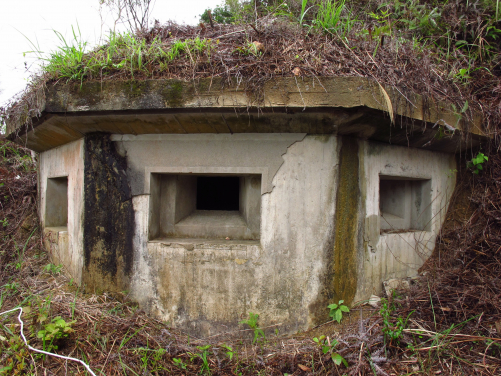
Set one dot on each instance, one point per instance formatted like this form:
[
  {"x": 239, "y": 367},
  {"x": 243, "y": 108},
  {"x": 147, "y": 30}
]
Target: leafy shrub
[
  {"x": 58, "y": 328},
  {"x": 336, "y": 310},
  {"x": 252, "y": 322}
]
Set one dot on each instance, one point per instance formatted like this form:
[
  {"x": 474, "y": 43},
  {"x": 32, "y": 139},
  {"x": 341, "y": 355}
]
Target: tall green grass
[
  {"x": 74, "y": 61},
  {"x": 329, "y": 14},
  {"x": 333, "y": 17}
]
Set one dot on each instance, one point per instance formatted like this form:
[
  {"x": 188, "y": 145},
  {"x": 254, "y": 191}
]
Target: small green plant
[
  {"x": 204, "y": 352},
  {"x": 150, "y": 359},
  {"x": 303, "y": 11},
  {"x": 329, "y": 18},
  {"x": 459, "y": 115},
  {"x": 252, "y": 322},
  {"x": 249, "y": 49},
  {"x": 328, "y": 347},
  {"x": 229, "y": 351},
  {"x": 452, "y": 173},
  {"x": 392, "y": 328},
  {"x": 336, "y": 310},
  {"x": 58, "y": 328},
  {"x": 67, "y": 61},
  {"x": 495, "y": 349},
  {"x": 13, "y": 286},
  {"x": 463, "y": 74},
  {"x": 53, "y": 269},
  {"x": 476, "y": 164},
  {"x": 20, "y": 253},
  {"x": 179, "y": 362},
  {"x": 385, "y": 28},
  {"x": 14, "y": 356}
]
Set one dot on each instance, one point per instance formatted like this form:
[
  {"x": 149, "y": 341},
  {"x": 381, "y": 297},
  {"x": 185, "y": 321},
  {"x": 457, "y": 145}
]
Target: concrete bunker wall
[
  {"x": 393, "y": 249},
  {"x": 311, "y": 213},
  {"x": 61, "y": 193},
  {"x": 108, "y": 217},
  {"x": 208, "y": 285}
]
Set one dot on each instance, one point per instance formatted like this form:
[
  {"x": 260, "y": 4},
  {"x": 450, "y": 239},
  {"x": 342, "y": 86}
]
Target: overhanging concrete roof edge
[{"x": 173, "y": 95}]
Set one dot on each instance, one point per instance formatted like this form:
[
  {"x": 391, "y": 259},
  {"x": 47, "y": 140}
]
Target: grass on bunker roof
[
  {"x": 443, "y": 51},
  {"x": 450, "y": 321}
]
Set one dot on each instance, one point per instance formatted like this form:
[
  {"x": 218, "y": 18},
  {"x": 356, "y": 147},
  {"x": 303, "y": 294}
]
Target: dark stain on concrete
[
  {"x": 108, "y": 217},
  {"x": 344, "y": 283},
  {"x": 339, "y": 281}
]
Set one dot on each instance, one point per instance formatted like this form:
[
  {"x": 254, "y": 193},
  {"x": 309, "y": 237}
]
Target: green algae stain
[
  {"x": 344, "y": 284},
  {"x": 136, "y": 89},
  {"x": 173, "y": 94}
]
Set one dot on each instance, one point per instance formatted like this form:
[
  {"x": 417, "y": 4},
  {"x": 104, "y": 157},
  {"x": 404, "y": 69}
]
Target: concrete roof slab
[{"x": 348, "y": 105}]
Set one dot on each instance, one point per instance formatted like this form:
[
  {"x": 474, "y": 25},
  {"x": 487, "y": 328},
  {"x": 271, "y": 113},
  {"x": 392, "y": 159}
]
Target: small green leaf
[
  {"x": 338, "y": 315},
  {"x": 344, "y": 308},
  {"x": 465, "y": 107},
  {"x": 338, "y": 359},
  {"x": 41, "y": 334},
  {"x": 341, "y": 302}
]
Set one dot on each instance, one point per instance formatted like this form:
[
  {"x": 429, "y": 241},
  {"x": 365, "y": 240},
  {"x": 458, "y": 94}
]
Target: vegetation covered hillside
[{"x": 449, "y": 323}]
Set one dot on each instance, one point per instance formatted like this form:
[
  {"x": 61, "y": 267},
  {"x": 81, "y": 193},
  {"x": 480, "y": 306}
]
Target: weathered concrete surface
[
  {"x": 404, "y": 204},
  {"x": 344, "y": 264},
  {"x": 56, "y": 212},
  {"x": 345, "y": 105},
  {"x": 320, "y": 238},
  {"x": 397, "y": 255},
  {"x": 108, "y": 214},
  {"x": 205, "y": 286},
  {"x": 311, "y": 229},
  {"x": 289, "y": 92},
  {"x": 203, "y": 154},
  {"x": 65, "y": 242}
]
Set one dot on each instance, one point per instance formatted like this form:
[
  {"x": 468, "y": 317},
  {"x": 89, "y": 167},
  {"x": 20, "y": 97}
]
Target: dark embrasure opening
[{"x": 218, "y": 193}]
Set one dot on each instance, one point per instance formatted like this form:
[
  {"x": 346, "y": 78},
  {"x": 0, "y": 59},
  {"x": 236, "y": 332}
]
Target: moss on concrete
[
  {"x": 344, "y": 284},
  {"x": 174, "y": 94},
  {"x": 339, "y": 280}
]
